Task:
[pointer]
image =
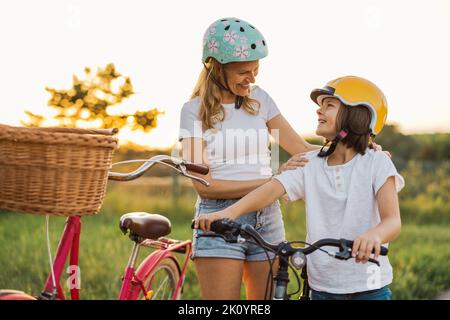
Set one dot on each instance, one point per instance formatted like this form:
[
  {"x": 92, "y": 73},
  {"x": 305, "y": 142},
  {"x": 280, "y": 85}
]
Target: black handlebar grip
[
  {"x": 224, "y": 225},
  {"x": 221, "y": 226},
  {"x": 383, "y": 250}
]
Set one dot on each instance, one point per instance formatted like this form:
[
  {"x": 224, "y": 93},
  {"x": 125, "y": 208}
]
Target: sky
[{"x": 402, "y": 46}]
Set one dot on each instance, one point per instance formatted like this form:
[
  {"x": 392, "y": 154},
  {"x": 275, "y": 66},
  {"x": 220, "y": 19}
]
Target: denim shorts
[
  {"x": 378, "y": 294},
  {"x": 267, "y": 221}
]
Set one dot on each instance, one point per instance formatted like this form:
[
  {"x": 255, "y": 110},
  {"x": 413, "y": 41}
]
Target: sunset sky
[{"x": 402, "y": 46}]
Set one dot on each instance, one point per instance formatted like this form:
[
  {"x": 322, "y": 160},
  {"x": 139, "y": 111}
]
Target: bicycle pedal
[
  {"x": 46, "y": 296},
  {"x": 148, "y": 296}
]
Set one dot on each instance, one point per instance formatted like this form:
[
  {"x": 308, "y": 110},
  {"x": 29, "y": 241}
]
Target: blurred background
[{"x": 132, "y": 65}]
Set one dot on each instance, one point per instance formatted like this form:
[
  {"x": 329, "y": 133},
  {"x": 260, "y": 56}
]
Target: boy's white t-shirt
[
  {"x": 239, "y": 147},
  {"x": 341, "y": 203}
]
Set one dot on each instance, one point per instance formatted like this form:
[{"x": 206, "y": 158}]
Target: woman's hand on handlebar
[
  {"x": 363, "y": 246},
  {"x": 204, "y": 221}
]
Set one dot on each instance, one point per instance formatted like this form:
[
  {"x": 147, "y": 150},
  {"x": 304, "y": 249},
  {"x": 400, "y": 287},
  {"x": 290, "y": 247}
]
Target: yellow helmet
[{"x": 352, "y": 91}]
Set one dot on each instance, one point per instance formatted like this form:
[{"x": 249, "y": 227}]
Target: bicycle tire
[
  {"x": 167, "y": 271},
  {"x": 15, "y": 295}
]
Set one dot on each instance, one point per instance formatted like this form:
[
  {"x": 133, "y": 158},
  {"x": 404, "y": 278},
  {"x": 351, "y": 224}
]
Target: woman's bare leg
[
  {"x": 219, "y": 278},
  {"x": 255, "y": 279}
]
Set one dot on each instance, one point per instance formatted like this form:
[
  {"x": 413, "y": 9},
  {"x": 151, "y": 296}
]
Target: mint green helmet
[{"x": 233, "y": 40}]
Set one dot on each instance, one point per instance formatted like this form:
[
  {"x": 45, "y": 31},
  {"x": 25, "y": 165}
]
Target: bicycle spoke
[
  {"x": 160, "y": 286},
  {"x": 161, "y": 283}
]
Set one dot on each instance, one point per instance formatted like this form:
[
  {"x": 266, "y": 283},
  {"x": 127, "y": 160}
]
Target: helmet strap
[
  {"x": 216, "y": 82},
  {"x": 238, "y": 102},
  {"x": 325, "y": 153},
  {"x": 239, "y": 99}
]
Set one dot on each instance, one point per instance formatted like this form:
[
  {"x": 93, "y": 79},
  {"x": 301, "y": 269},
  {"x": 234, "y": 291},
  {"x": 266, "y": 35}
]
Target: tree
[
  {"x": 402, "y": 147},
  {"x": 89, "y": 99}
]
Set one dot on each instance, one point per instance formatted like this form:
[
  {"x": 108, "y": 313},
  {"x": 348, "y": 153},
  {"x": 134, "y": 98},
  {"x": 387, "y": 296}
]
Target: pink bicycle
[{"x": 159, "y": 276}]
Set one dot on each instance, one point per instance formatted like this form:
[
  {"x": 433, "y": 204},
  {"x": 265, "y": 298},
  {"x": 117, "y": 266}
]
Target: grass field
[{"x": 420, "y": 256}]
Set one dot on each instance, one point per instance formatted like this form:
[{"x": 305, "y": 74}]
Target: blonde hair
[{"x": 211, "y": 109}]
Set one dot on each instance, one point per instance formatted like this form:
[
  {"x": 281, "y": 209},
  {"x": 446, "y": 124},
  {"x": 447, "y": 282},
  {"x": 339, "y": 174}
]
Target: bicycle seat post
[
  {"x": 129, "y": 271},
  {"x": 134, "y": 252}
]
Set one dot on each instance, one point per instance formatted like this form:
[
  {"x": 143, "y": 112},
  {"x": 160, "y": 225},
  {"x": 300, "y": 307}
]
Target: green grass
[
  {"x": 420, "y": 256},
  {"x": 421, "y": 261}
]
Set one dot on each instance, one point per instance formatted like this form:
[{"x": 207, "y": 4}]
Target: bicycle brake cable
[
  {"x": 312, "y": 245},
  {"x": 49, "y": 251},
  {"x": 331, "y": 254},
  {"x": 269, "y": 281}
]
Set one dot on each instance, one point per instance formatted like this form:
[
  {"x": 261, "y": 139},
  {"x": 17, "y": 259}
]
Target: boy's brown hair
[{"x": 356, "y": 120}]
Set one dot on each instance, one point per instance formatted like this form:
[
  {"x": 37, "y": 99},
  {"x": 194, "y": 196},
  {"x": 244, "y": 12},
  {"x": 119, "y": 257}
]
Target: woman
[{"x": 226, "y": 125}]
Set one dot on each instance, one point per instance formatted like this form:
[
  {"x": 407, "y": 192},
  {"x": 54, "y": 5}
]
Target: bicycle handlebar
[
  {"x": 289, "y": 256},
  {"x": 194, "y": 167},
  {"x": 230, "y": 230},
  {"x": 179, "y": 165}
]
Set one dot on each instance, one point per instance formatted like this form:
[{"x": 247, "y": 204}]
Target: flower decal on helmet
[
  {"x": 243, "y": 39},
  {"x": 209, "y": 33},
  {"x": 230, "y": 36},
  {"x": 241, "y": 52},
  {"x": 212, "y": 29},
  {"x": 213, "y": 45}
]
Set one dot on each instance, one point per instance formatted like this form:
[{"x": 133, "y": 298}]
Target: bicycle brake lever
[
  {"x": 188, "y": 175},
  {"x": 344, "y": 252},
  {"x": 347, "y": 255},
  {"x": 343, "y": 255},
  {"x": 202, "y": 181},
  {"x": 374, "y": 261}
]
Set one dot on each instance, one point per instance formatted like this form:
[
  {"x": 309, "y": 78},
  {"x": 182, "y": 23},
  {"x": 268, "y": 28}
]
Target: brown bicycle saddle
[{"x": 145, "y": 225}]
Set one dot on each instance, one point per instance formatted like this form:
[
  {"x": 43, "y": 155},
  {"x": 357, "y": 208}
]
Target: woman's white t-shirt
[
  {"x": 341, "y": 203},
  {"x": 238, "y": 147}
]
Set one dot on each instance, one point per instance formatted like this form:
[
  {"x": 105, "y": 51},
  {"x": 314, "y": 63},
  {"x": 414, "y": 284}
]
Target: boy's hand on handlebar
[
  {"x": 204, "y": 221},
  {"x": 363, "y": 246}
]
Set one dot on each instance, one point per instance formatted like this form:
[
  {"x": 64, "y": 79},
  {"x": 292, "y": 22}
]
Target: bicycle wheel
[
  {"x": 162, "y": 281},
  {"x": 15, "y": 295}
]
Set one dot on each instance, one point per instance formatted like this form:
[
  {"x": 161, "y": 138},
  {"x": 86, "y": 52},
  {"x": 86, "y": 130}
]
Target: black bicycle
[{"x": 289, "y": 255}]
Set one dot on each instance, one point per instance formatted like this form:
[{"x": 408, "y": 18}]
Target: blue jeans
[{"x": 378, "y": 294}]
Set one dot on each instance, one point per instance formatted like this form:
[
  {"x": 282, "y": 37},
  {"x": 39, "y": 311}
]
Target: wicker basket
[{"x": 55, "y": 171}]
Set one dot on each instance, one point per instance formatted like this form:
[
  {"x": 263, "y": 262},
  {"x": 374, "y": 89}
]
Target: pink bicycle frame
[
  {"x": 70, "y": 241},
  {"x": 132, "y": 282}
]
